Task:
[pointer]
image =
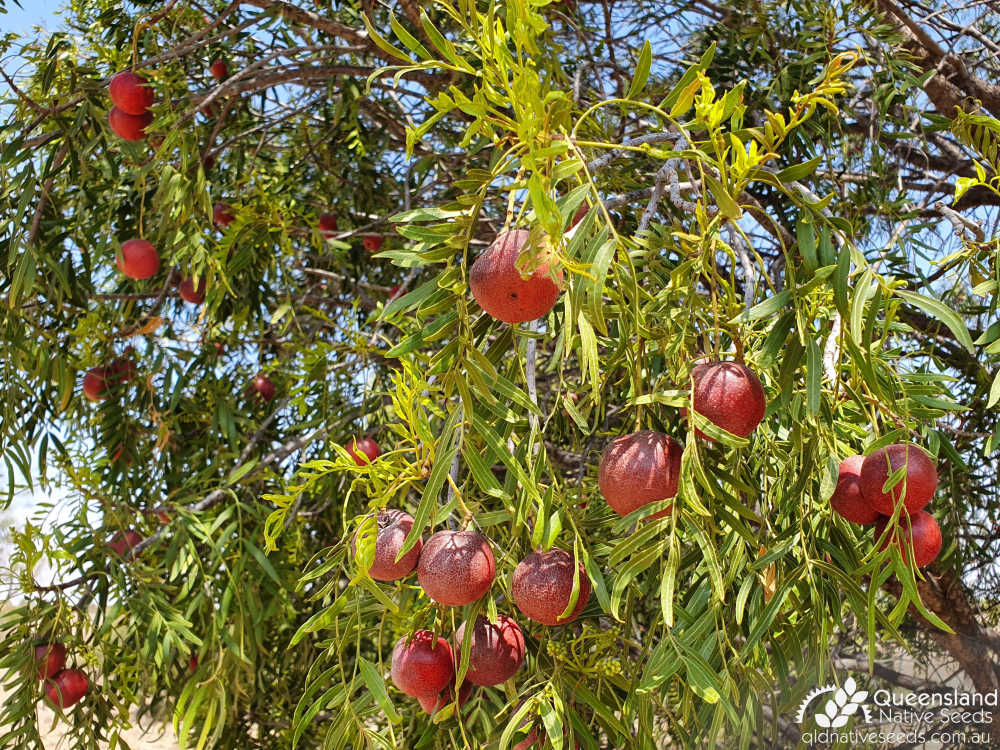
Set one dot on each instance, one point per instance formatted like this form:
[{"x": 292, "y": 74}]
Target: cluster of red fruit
[
  {"x": 455, "y": 568},
  {"x": 64, "y": 687},
  {"x": 328, "y": 228},
  {"x": 861, "y": 496}
]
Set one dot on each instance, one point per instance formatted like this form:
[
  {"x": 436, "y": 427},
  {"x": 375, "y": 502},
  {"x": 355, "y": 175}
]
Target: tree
[{"x": 809, "y": 188}]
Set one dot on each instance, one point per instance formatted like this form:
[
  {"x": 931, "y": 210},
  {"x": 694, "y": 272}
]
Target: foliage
[{"x": 759, "y": 201}]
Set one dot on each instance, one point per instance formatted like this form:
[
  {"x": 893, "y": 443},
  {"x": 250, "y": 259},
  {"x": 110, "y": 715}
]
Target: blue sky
[{"x": 33, "y": 13}]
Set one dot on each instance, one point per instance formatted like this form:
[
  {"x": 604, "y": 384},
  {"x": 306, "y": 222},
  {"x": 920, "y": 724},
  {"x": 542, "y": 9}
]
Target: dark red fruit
[
  {"x": 848, "y": 499},
  {"x": 50, "y": 658},
  {"x": 131, "y": 93},
  {"x": 639, "y": 469},
  {"x": 434, "y": 703},
  {"x": 262, "y": 387},
  {"x": 219, "y": 69},
  {"x": 122, "y": 542},
  {"x": 95, "y": 386},
  {"x": 496, "y": 650},
  {"x": 921, "y": 528},
  {"x": 498, "y": 287},
  {"x": 208, "y": 162},
  {"x": 456, "y": 567},
  {"x": 530, "y": 740},
  {"x": 394, "y": 292},
  {"x": 424, "y": 666},
  {"x": 372, "y": 243},
  {"x": 191, "y": 293},
  {"x": 138, "y": 259},
  {"x": 327, "y": 224},
  {"x": 915, "y": 489},
  {"x": 542, "y": 586},
  {"x": 730, "y": 396},
  {"x": 129, "y": 127},
  {"x": 222, "y": 214},
  {"x": 363, "y": 451},
  {"x": 393, "y": 526},
  {"x": 580, "y": 213},
  {"x": 193, "y": 663},
  {"x": 66, "y": 688}
]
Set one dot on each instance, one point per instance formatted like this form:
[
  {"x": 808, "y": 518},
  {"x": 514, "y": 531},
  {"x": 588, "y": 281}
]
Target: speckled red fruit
[
  {"x": 923, "y": 529},
  {"x": 122, "y": 542},
  {"x": 847, "y": 498},
  {"x": 50, "y": 658},
  {"x": 222, "y": 214},
  {"x": 138, "y": 259},
  {"x": 496, "y": 650},
  {"x": 131, "y": 93},
  {"x": 424, "y": 666},
  {"x": 542, "y": 586},
  {"x": 95, "y": 386},
  {"x": 129, "y": 127},
  {"x": 262, "y": 387},
  {"x": 191, "y": 293},
  {"x": 434, "y": 703},
  {"x": 327, "y": 224},
  {"x": 66, "y": 688},
  {"x": 393, "y": 526},
  {"x": 372, "y": 243},
  {"x": 456, "y": 567},
  {"x": 363, "y": 451},
  {"x": 219, "y": 69},
  {"x": 639, "y": 469},
  {"x": 730, "y": 396},
  {"x": 498, "y": 287},
  {"x": 915, "y": 489}
]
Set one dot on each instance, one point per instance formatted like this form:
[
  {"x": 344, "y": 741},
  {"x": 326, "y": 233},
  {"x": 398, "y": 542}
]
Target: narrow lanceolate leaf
[
  {"x": 940, "y": 311},
  {"x": 641, "y": 74},
  {"x": 376, "y": 686}
]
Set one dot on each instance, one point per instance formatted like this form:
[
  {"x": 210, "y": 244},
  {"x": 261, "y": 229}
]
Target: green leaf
[
  {"x": 641, "y": 74},
  {"x": 376, "y": 686},
  {"x": 940, "y": 311}
]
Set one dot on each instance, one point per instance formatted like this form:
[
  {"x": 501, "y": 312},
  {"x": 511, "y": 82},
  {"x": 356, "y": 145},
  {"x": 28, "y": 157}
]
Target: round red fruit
[
  {"x": 730, "y": 396},
  {"x": 847, "y": 499},
  {"x": 393, "y": 526},
  {"x": 66, "y": 688},
  {"x": 499, "y": 288},
  {"x": 914, "y": 490},
  {"x": 921, "y": 529},
  {"x": 129, "y": 127},
  {"x": 639, "y": 469},
  {"x": 123, "y": 542},
  {"x": 138, "y": 259},
  {"x": 496, "y": 650},
  {"x": 50, "y": 658},
  {"x": 262, "y": 387},
  {"x": 219, "y": 69},
  {"x": 543, "y": 584},
  {"x": 456, "y": 567},
  {"x": 191, "y": 293},
  {"x": 131, "y": 93},
  {"x": 372, "y": 243},
  {"x": 363, "y": 451},
  {"x": 424, "y": 666}
]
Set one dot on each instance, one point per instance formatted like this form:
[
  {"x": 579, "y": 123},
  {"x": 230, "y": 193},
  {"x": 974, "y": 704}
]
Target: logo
[{"x": 837, "y": 710}]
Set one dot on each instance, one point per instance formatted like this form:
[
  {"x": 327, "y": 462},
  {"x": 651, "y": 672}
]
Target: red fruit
[
  {"x": 848, "y": 499},
  {"x": 122, "y": 542},
  {"x": 219, "y": 69},
  {"x": 580, "y": 213},
  {"x": 372, "y": 242},
  {"x": 434, "y": 703},
  {"x": 66, "y": 688},
  {"x": 129, "y": 127},
  {"x": 262, "y": 387},
  {"x": 138, "y": 259},
  {"x": 219, "y": 348},
  {"x": 130, "y": 93},
  {"x": 496, "y": 650},
  {"x": 363, "y": 451},
  {"x": 208, "y": 162},
  {"x": 915, "y": 489},
  {"x": 542, "y": 586},
  {"x": 730, "y": 396},
  {"x": 222, "y": 214},
  {"x": 529, "y": 741},
  {"x": 120, "y": 371},
  {"x": 921, "y": 528},
  {"x": 95, "y": 384},
  {"x": 498, "y": 287},
  {"x": 50, "y": 658},
  {"x": 193, "y": 663},
  {"x": 393, "y": 526},
  {"x": 424, "y": 666},
  {"x": 190, "y": 293},
  {"x": 394, "y": 292},
  {"x": 456, "y": 567},
  {"x": 639, "y": 469},
  {"x": 327, "y": 224}
]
